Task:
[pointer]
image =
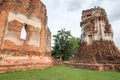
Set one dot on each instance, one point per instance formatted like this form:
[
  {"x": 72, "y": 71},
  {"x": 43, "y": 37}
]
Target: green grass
[{"x": 60, "y": 73}]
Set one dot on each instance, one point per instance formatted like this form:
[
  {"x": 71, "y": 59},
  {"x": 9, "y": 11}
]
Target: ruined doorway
[{"x": 89, "y": 39}]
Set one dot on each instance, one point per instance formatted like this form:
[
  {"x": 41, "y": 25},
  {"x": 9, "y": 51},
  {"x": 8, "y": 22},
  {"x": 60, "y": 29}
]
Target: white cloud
[
  {"x": 74, "y": 5},
  {"x": 116, "y": 30},
  {"x": 67, "y": 14}
]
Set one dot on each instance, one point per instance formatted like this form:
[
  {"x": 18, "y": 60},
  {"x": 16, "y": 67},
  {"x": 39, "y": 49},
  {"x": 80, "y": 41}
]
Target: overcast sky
[{"x": 67, "y": 14}]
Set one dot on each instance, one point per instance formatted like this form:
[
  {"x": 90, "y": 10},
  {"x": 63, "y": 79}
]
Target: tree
[
  {"x": 64, "y": 45},
  {"x": 75, "y": 42}
]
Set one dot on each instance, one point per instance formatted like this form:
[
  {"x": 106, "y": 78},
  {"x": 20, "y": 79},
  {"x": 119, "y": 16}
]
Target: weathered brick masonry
[
  {"x": 35, "y": 50},
  {"x": 97, "y": 49}
]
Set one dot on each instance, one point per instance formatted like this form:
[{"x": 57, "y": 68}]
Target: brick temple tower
[
  {"x": 34, "y": 51},
  {"x": 97, "y": 46},
  {"x": 95, "y": 26}
]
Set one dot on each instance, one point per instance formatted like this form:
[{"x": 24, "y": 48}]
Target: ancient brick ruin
[
  {"x": 35, "y": 50},
  {"x": 97, "y": 49}
]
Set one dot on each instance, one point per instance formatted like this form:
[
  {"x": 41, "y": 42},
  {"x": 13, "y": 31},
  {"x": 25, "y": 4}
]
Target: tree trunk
[{"x": 60, "y": 58}]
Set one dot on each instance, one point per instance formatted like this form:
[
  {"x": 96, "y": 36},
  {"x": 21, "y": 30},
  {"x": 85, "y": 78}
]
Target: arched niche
[{"x": 23, "y": 34}]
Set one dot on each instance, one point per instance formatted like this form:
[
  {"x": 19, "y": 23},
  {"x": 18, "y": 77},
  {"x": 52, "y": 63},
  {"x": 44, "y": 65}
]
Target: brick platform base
[
  {"x": 18, "y": 61},
  {"x": 99, "y": 67}
]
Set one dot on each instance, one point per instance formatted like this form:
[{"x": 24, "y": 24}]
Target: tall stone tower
[
  {"x": 95, "y": 26},
  {"x": 97, "y": 46},
  {"x": 34, "y": 51}
]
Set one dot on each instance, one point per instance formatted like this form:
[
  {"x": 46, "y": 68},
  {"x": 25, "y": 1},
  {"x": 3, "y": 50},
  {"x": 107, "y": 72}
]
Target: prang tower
[
  {"x": 97, "y": 44},
  {"x": 95, "y": 26}
]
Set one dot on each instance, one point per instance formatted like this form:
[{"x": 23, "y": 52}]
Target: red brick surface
[
  {"x": 97, "y": 49},
  {"x": 11, "y": 53}
]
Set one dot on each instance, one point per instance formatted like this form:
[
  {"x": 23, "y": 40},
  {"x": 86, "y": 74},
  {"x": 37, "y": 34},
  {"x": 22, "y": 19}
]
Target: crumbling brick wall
[{"x": 30, "y": 15}]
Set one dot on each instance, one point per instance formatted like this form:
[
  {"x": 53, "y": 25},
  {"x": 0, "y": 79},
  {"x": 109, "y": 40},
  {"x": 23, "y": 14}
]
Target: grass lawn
[{"x": 60, "y": 73}]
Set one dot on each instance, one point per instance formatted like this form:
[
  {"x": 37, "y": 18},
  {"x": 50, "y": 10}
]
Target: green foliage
[
  {"x": 65, "y": 45},
  {"x": 60, "y": 73},
  {"x": 62, "y": 46},
  {"x": 75, "y": 42}
]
